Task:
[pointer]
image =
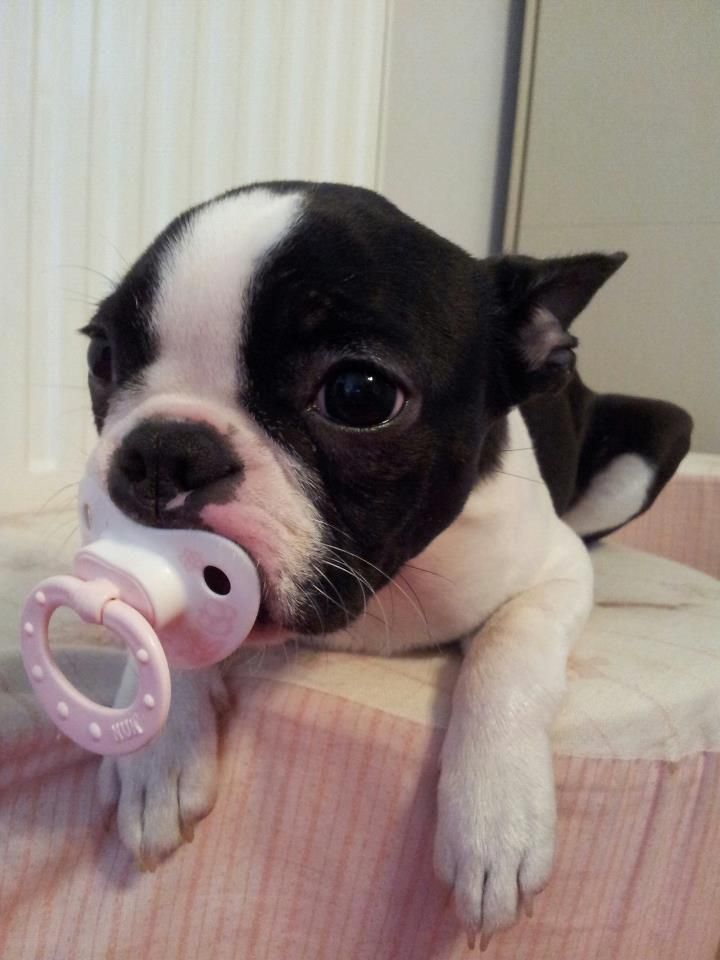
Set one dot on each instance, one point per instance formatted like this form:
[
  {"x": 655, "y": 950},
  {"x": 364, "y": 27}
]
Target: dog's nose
[{"x": 161, "y": 460}]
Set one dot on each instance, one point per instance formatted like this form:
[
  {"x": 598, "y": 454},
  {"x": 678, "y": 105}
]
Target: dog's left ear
[{"x": 538, "y": 300}]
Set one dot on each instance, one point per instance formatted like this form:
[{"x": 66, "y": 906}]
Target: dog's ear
[{"x": 538, "y": 300}]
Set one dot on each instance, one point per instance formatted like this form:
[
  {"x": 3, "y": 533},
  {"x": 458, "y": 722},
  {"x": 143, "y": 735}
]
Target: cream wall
[
  {"x": 623, "y": 152},
  {"x": 449, "y": 91}
]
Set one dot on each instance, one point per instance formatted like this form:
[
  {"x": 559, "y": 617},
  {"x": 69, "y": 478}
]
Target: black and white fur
[{"x": 440, "y": 524}]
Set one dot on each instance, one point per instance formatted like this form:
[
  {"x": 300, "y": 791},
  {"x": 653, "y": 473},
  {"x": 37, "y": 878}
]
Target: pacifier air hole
[
  {"x": 74, "y": 648},
  {"x": 216, "y": 581}
]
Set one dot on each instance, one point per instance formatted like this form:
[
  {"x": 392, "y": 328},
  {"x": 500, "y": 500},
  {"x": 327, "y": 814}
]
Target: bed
[{"x": 320, "y": 845}]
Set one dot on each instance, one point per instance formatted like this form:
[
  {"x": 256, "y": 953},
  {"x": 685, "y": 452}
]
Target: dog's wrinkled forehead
[
  {"x": 356, "y": 276},
  {"x": 258, "y": 281}
]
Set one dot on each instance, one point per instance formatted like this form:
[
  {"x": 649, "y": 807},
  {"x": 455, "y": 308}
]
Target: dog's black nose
[{"x": 161, "y": 460}]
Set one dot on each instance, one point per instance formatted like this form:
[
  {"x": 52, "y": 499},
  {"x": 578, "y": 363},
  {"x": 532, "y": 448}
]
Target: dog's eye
[
  {"x": 359, "y": 396},
  {"x": 99, "y": 358}
]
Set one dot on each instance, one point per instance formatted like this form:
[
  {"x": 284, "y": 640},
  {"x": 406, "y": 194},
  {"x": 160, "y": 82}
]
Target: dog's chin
[
  {"x": 308, "y": 625},
  {"x": 268, "y": 631},
  {"x": 267, "y": 634}
]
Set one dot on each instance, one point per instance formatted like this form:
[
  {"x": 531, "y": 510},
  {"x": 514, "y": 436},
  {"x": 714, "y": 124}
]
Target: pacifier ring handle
[{"x": 100, "y": 729}]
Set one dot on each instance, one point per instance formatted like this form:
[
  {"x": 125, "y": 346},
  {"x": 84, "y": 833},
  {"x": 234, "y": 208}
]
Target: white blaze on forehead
[{"x": 200, "y": 307}]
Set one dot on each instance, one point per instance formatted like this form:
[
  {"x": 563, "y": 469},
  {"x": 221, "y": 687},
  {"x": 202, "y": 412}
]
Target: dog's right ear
[{"x": 537, "y": 301}]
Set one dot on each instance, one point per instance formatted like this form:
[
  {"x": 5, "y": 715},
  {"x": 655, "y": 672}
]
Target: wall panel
[{"x": 114, "y": 116}]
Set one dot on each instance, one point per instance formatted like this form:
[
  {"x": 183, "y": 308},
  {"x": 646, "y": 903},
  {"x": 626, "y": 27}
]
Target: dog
[{"x": 371, "y": 412}]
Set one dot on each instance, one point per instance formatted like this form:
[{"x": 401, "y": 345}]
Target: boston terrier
[{"x": 396, "y": 434}]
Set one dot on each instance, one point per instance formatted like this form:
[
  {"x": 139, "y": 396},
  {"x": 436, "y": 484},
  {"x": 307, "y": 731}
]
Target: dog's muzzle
[{"x": 161, "y": 463}]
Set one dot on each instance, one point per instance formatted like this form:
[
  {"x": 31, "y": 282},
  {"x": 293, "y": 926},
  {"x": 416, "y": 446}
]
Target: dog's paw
[
  {"x": 158, "y": 794},
  {"x": 496, "y": 831}
]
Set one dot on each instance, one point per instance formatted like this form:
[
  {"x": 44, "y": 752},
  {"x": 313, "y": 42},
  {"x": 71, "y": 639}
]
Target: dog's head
[{"x": 304, "y": 369}]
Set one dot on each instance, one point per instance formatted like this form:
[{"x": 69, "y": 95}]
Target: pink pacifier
[{"x": 187, "y": 598}]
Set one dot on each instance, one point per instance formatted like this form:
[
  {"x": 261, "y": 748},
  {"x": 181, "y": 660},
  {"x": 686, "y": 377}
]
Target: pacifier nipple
[{"x": 187, "y": 598}]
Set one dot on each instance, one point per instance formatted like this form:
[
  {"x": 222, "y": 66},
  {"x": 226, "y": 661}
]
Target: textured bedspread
[{"x": 321, "y": 842}]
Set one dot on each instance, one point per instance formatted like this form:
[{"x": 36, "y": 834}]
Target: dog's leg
[
  {"x": 496, "y": 801},
  {"x": 160, "y": 792}
]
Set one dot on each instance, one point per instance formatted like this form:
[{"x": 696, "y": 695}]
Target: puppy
[{"x": 389, "y": 427}]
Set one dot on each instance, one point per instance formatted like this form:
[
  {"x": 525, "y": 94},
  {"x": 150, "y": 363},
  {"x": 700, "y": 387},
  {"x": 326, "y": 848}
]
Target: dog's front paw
[
  {"x": 496, "y": 830},
  {"x": 161, "y": 792}
]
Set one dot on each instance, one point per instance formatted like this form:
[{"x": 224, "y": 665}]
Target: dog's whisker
[
  {"x": 254, "y": 663},
  {"x": 417, "y": 603},
  {"x": 518, "y": 476},
  {"x": 318, "y": 614},
  {"x": 62, "y": 509},
  {"x": 392, "y": 582},
  {"x": 432, "y": 573},
  {"x": 327, "y": 579},
  {"x": 98, "y": 273},
  {"x": 61, "y": 524},
  {"x": 326, "y": 595},
  {"x": 67, "y": 539},
  {"x": 60, "y": 490},
  {"x": 363, "y": 583},
  {"x": 116, "y": 250},
  {"x": 72, "y": 296},
  {"x": 345, "y": 568},
  {"x": 369, "y": 613},
  {"x": 348, "y": 570}
]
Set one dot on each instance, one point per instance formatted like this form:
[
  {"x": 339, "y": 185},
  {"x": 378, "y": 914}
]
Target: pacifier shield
[{"x": 184, "y": 597}]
